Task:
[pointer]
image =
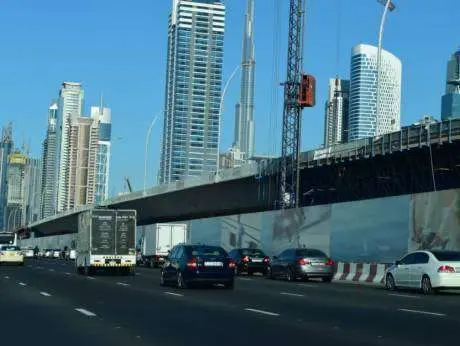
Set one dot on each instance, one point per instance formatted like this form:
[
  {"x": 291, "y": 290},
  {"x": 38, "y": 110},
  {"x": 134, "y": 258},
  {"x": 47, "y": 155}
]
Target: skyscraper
[
  {"x": 33, "y": 177},
  {"x": 244, "y": 113},
  {"x": 83, "y": 144},
  {"x": 71, "y": 98},
  {"x": 103, "y": 117},
  {"x": 16, "y": 200},
  {"x": 450, "y": 103},
  {"x": 363, "y": 92},
  {"x": 336, "y": 119},
  {"x": 6, "y": 145},
  {"x": 193, "y": 89},
  {"x": 50, "y": 164}
]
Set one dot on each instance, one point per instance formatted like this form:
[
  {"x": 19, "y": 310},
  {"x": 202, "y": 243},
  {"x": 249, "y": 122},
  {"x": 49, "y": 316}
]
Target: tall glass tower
[
  {"x": 193, "y": 89},
  {"x": 336, "y": 119},
  {"x": 363, "y": 93},
  {"x": 6, "y": 145},
  {"x": 450, "y": 106},
  {"x": 103, "y": 116}
]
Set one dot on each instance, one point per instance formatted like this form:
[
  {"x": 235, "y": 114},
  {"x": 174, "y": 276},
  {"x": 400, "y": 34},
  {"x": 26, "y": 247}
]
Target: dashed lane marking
[
  {"x": 91, "y": 278},
  {"x": 291, "y": 294},
  {"x": 122, "y": 284},
  {"x": 245, "y": 279},
  {"x": 45, "y": 294},
  {"x": 262, "y": 312},
  {"x": 51, "y": 270},
  {"x": 85, "y": 312},
  {"x": 6, "y": 277},
  {"x": 174, "y": 294},
  {"x": 67, "y": 273},
  {"x": 403, "y": 295},
  {"x": 423, "y": 312},
  {"x": 22, "y": 284}
]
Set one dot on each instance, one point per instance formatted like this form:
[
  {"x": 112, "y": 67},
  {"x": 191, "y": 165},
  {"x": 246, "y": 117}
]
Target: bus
[{"x": 8, "y": 238}]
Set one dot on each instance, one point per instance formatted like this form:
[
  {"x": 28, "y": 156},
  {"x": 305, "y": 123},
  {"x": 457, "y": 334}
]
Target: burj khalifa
[{"x": 244, "y": 119}]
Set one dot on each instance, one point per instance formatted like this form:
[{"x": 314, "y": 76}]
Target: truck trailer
[{"x": 106, "y": 240}]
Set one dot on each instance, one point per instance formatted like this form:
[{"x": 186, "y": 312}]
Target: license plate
[
  {"x": 112, "y": 263},
  {"x": 319, "y": 264},
  {"x": 213, "y": 264},
  {"x": 257, "y": 260}
]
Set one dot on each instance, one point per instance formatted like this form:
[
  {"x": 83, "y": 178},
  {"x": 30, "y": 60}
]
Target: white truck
[
  {"x": 158, "y": 240},
  {"x": 106, "y": 240}
]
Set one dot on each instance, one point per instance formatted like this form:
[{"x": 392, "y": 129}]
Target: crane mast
[{"x": 298, "y": 93}]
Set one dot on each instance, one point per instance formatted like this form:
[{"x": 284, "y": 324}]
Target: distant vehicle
[
  {"x": 428, "y": 271},
  {"x": 198, "y": 264},
  {"x": 56, "y": 253},
  {"x": 250, "y": 261},
  {"x": 106, "y": 239},
  {"x": 70, "y": 254},
  {"x": 302, "y": 263},
  {"x": 8, "y": 238},
  {"x": 11, "y": 254},
  {"x": 158, "y": 240},
  {"x": 28, "y": 252},
  {"x": 48, "y": 253}
]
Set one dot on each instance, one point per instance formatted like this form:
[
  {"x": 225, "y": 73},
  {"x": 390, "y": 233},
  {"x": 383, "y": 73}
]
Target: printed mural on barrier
[
  {"x": 373, "y": 230},
  {"x": 435, "y": 221}
]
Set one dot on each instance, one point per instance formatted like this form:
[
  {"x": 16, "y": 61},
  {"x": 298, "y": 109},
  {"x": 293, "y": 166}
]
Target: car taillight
[
  {"x": 266, "y": 259},
  {"x": 192, "y": 263},
  {"x": 446, "y": 269},
  {"x": 231, "y": 264},
  {"x": 329, "y": 262},
  {"x": 303, "y": 261},
  {"x": 245, "y": 259}
]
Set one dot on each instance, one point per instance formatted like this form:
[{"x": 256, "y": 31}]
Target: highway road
[{"x": 46, "y": 302}]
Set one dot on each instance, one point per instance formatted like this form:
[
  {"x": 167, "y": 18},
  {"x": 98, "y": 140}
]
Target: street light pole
[
  {"x": 147, "y": 139},
  {"x": 221, "y": 106},
  {"x": 389, "y": 6}
]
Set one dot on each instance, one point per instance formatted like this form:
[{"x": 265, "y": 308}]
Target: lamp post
[
  {"x": 389, "y": 6},
  {"x": 221, "y": 106},
  {"x": 147, "y": 140}
]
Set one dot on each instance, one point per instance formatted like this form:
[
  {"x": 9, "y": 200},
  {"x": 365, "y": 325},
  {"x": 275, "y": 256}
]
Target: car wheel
[
  {"x": 290, "y": 276},
  {"x": 426, "y": 285},
  {"x": 162, "y": 279},
  {"x": 390, "y": 283},
  {"x": 180, "y": 281},
  {"x": 328, "y": 279}
]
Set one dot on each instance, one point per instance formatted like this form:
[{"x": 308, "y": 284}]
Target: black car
[
  {"x": 302, "y": 263},
  {"x": 198, "y": 264},
  {"x": 249, "y": 261}
]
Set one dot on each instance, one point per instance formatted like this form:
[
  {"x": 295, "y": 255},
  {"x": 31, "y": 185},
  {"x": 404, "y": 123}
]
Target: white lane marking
[
  {"x": 122, "y": 284},
  {"x": 403, "y": 295},
  {"x": 423, "y": 312},
  {"x": 40, "y": 267},
  {"x": 51, "y": 270},
  {"x": 22, "y": 284},
  {"x": 307, "y": 285},
  {"x": 45, "y": 294},
  {"x": 28, "y": 266},
  {"x": 245, "y": 279},
  {"x": 91, "y": 278},
  {"x": 6, "y": 277},
  {"x": 174, "y": 294},
  {"x": 85, "y": 312},
  {"x": 262, "y": 312},
  {"x": 67, "y": 273},
  {"x": 291, "y": 294}
]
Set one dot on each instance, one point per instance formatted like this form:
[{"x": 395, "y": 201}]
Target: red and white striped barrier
[{"x": 360, "y": 272}]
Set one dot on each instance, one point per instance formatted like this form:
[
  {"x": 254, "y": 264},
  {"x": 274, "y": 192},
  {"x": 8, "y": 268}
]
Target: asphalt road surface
[{"x": 45, "y": 302}]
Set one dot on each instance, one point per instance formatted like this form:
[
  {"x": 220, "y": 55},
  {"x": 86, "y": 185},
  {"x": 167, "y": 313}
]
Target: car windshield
[
  {"x": 310, "y": 253},
  {"x": 252, "y": 252},
  {"x": 10, "y": 248},
  {"x": 447, "y": 256},
  {"x": 208, "y": 251}
]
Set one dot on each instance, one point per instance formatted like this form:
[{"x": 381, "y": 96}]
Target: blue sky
[{"x": 119, "y": 48}]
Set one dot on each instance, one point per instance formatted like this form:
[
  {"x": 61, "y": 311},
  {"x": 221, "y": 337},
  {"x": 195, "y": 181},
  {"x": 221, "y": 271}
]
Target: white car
[
  {"x": 11, "y": 254},
  {"x": 425, "y": 270},
  {"x": 28, "y": 253},
  {"x": 72, "y": 255}
]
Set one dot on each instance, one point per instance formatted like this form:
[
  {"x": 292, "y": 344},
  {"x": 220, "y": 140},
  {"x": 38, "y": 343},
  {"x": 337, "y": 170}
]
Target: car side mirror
[{"x": 397, "y": 263}]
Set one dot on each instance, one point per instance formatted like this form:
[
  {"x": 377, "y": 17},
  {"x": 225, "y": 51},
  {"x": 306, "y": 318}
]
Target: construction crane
[
  {"x": 128, "y": 184},
  {"x": 299, "y": 92}
]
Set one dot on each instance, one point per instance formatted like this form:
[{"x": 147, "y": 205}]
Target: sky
[{"x": 118, "y": 48}]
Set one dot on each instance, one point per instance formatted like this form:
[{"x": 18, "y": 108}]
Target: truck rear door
[
  {"x": 163, "y": 239},
  {"x": 178, "y": 234},
  {"x": 125, "y": 241},
  {"x": 102, "y": 232}
]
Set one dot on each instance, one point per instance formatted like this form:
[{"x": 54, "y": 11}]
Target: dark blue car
[{"x": 198, "y": 264}]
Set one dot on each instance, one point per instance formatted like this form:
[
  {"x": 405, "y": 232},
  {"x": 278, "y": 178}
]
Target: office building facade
[
  {"x": 50, "y": 164},
  {"x": 363, "y": 120},
  {"x": 244, "y": 113},
  {"x": 191, "y": 130},
  {"x": 70, "y": 106},
  {"x": 450, "y": 102},
  {"x": 6, "y": 145},
  {"x": 33, "y": 178},
  {"x": 16, "y": 201},
  {"x": 336, "y": 109},
  {"x": 102, "y": 116}
]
